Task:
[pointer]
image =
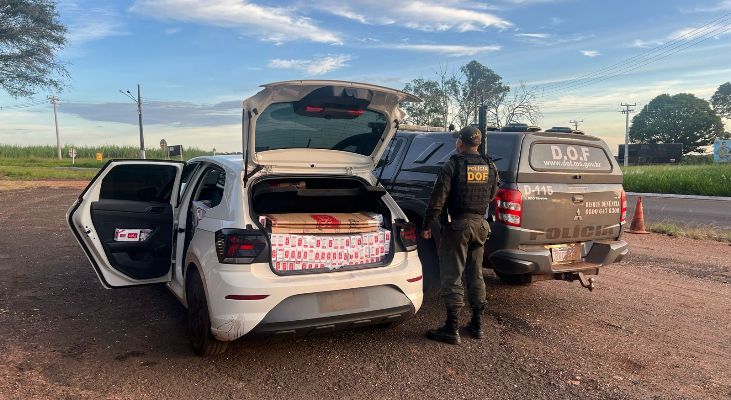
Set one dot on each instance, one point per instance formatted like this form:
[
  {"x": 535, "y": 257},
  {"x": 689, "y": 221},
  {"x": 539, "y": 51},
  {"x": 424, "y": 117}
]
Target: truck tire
[
  {"x": 199, "y": 322},
  {"x": 518, "y": 280}
]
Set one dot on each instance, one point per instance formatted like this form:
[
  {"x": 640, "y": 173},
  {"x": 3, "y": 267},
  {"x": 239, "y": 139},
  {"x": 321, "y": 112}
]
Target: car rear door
[
  {"x": 571, "y": 190},
  {"x": 124, "y": 221}
]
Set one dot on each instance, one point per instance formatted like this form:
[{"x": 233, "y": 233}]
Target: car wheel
[
  {"x": 199, "y": 322},
  {"x": 522, "y": 280}
]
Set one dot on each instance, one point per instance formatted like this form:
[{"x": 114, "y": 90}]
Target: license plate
[
  {"x": 566, "y": 253},
  {"x": 342, "y": 300}
]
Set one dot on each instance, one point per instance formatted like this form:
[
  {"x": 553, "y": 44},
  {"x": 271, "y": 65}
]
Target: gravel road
[{"x": 657, "y": 326}]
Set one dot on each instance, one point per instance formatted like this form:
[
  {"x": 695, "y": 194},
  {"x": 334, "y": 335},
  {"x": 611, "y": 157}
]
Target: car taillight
[
  {"x": 407, "y": 235},
  {"x": 240, "y": 246},
  {"x": 623, "y": 217},
  {"x": 509, "y": 207}
]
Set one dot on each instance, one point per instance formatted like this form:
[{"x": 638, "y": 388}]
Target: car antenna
[{"x": 388, "y": 153}]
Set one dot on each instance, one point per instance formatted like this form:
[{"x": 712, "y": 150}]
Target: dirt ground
[{"x": 657, "y": 326}]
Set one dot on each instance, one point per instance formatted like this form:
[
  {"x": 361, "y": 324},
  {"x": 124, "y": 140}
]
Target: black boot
[
  {"x": 449, "y": 333},
  {"x": 475, "y": 325}
]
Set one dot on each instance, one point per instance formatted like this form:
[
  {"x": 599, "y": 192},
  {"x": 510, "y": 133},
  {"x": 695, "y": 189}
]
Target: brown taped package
[{"x": 322, "y": 223}]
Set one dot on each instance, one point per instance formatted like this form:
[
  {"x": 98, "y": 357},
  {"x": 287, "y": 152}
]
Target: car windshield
[{"x": 280, "y": 127}]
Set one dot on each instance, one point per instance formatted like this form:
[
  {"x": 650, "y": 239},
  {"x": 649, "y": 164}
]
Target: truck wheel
[
  {"x": 199, "y": 322},
  {"x": 522, "y": 280}
]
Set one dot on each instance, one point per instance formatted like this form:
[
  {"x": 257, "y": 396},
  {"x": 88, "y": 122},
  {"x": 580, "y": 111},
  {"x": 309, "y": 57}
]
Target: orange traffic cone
[{"x": 638, "y": 221}]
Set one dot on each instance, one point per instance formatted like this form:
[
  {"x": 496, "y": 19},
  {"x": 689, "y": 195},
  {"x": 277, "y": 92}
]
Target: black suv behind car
[{"x": 559, "y": 213}]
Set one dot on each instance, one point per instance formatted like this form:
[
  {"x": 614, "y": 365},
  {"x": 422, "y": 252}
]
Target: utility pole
[
  {"x": 54, "y": 100},
  {"x": 575, "y": 123},
  {"x": 626, "y": 112},
  {"x": 138, "y": 102}
]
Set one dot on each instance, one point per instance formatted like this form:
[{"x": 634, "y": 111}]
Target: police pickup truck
[{"x": 559, "y": 212}]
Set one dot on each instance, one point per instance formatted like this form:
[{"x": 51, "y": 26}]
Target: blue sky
[{"x": 196, "y": 60}]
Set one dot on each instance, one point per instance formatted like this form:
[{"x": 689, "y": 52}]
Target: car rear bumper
[
  {"x": 313, "y": 303},
  {"x": 304, "y": 314},
  {"x": 539, "y": 262}
]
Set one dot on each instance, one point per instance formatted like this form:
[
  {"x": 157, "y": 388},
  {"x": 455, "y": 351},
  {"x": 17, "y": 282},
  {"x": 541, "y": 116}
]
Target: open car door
[{"x": 124, "y": 221}]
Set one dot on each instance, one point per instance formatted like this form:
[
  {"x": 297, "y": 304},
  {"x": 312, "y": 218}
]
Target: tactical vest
[{"x": 474, "y": 185}]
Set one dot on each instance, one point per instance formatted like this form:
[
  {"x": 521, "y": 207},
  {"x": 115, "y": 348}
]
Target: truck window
[{"x": 569, "y": 157}]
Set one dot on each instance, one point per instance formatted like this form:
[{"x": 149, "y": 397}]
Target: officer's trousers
[{"x": 460, "y": 253}]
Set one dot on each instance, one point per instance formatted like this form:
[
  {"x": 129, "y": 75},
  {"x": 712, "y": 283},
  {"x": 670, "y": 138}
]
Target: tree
[
  {"x": 31, "y": 35},
  {"x": 478, "y": 83},
  {"x": 682, "y": 118},
  {"x": 522, "y": 106},
  {"x": 429, "y": 110},
  {"x": 721, "y": 100}
]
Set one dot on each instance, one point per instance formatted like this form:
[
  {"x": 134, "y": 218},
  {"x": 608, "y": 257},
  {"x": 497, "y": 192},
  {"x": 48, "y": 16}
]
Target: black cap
[{"x": 470, "y": 135}]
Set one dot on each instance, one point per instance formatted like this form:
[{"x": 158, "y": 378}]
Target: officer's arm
[{"x": 439, "y": 194}]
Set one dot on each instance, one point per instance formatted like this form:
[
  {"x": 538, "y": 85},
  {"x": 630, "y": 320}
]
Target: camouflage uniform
[{"x": 465, "y": 185}]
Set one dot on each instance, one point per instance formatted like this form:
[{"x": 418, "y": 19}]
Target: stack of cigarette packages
[{"x": 295, "y": 252}]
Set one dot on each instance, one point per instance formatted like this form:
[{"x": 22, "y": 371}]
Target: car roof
[
  {"x": 233, "y": 162},
  {"x": 451, "y": 135}
]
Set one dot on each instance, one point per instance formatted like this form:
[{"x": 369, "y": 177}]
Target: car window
[
  {"x": 139, "y": 182},
  {"x": 391, "y": 152},
  {"x": 210, "y": 190},
  {"x": 568, "y": 157},
  {"x": 188, "y": 172},
  {"x": 281, "y": 127}
]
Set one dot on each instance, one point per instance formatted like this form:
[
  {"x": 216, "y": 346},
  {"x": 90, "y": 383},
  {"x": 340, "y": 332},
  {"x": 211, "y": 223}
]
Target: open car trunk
[{"x": 320, "y": 250}]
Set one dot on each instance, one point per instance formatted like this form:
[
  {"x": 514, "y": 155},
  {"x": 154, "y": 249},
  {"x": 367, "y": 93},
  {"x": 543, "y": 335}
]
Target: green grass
[
  {"x": 39, "y": 162},
  {"x": 697, "y": 232},
  {"x": 39, "y": 172},
  {"x": 705, "y": 180},
  {"x": 89, "y": 152}
]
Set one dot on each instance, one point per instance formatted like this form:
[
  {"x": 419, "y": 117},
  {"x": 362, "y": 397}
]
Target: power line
[
  {"x": 629, "y": 65},
  {"x": 682, "y": 38},
  {"x": 635, "y": 67}
]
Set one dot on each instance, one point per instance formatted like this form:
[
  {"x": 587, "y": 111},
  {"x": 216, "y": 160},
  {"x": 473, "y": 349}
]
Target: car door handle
[
  {"x": 155, "y": 210},
  {"x": 578, "y": 198}
]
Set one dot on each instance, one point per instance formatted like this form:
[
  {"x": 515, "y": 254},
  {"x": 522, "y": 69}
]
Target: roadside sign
[
  {"x": 99, "y": 156},
  {"x": 72, "y": 154},
  {"x": 722, "y": 151},
  {"x": 175, "y": 150}
]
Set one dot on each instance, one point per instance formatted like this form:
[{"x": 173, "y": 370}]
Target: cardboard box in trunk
[{"x": 322, "y": 223}]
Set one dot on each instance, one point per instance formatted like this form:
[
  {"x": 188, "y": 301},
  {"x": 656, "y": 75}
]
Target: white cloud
[
  {"x": 714, "y": 30},
  {"x": 534, "y": 35},
  {"x": 86, "y": 24},
  {"x": 590, "y": 53},
  {"x": 172, "y": 31},
  {"x": 644, "y": 44},
  {"x": 420, "y": 15},
  {"x": 314, "y": 66},
  {"x": 275, "y": 24},
  {"x": 720, "y": 6},
  {"x": 452, "y": 50}
]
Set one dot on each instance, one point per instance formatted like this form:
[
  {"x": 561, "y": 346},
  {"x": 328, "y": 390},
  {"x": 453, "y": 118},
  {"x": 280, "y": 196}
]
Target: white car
[{"x": 309, "y": 147}]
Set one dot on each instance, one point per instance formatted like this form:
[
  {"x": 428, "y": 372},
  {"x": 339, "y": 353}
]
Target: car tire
[
  {"x": 199, "y": 321},
  {"x": 518, "y": 280}
]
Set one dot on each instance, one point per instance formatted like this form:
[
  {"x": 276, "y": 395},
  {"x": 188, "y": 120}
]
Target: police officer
[{"x": 465, "y": 185}]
